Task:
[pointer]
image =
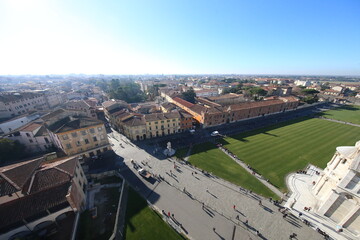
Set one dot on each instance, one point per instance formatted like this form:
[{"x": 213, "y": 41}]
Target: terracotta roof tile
[
  {"x": 28, "y": 206},
  {"x": 183, "y": 102}
]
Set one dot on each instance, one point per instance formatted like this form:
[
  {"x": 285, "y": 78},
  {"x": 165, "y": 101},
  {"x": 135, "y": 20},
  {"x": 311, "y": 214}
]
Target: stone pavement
[
  {"x": 302, "y": 196},
  {"x": 258, "y": 176},
  {"x": 185, "y": 185}
]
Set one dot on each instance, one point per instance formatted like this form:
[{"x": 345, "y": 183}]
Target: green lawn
[
  {"x": 143, "y": 223},
  {"x": 348, "y": 113},
  {"x": 278, "y": 150},
  {"x": 208, "y": 157}
]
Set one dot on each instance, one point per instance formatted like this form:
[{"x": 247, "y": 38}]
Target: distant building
[
  {"x": 338, "y": 189},
  {"x": 207, "y": 93},
  {"x": 37, "y": 194},
  {"x": 302, "y": 83},
  {"x": 227, "y": 99},
  {"x": 14, "y": 104},
  {"x": 81, "y": 106},
  {"x": 15, "y": 123}
]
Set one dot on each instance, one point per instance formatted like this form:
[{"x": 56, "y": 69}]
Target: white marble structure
[
  {"x": 169, "y": 151},
  {"x": 338, "y": 189}
]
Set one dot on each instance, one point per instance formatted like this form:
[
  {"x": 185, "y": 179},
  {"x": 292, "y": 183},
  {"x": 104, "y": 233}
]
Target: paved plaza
[{"x": 201, "y": 202}]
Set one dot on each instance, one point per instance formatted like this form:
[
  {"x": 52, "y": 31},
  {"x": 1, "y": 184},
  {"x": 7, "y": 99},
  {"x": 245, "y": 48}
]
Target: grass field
[
  {"x": 206, "y": 156},
  {"x": 348, "y": 113},
  {"x": 278, "y": 150},
  {"x": 143, "y": 223}
]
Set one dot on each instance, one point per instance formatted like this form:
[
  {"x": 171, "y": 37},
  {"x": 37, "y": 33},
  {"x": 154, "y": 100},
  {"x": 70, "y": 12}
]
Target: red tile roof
[
  {"x": 183, "y": 102},
  {"x": 32, "y": 205}
]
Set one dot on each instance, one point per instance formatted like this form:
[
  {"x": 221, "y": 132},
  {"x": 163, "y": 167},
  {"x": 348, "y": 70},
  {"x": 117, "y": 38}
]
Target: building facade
[
  {"x": 80, "y": 136},
  {"x": 338, "y": 189},
  {"x": 162, "y": 124}
]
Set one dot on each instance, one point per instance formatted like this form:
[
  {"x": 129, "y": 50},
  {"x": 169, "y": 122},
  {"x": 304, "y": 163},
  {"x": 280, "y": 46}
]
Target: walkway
[
  {"x": 342, "y": 122},
  {"x": 188, "y": 154},
  {"x": 258, "y": 176}
]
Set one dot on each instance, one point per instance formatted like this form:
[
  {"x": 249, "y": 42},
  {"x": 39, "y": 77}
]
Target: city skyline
[{"x": 160, "y": 37}]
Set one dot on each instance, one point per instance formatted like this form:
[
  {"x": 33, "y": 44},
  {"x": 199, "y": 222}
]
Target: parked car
[{"x": 215, "y": 133}]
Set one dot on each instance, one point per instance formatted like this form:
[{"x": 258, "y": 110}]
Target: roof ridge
[
  {"x": 61, "y": 170},
  {"x": 9, "y": 181}
]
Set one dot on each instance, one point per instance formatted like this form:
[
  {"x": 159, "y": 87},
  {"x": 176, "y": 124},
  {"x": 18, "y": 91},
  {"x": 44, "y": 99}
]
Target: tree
[
  {"x": 258, "y": 91},
  {"x": 11, "y": 150},
  {"x": 189, "y": 95},
  {"x": 309, "y": 91},
  {"x": 127, "y": 91}
]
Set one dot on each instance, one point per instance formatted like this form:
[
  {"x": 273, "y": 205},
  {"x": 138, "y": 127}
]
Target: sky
[{"x": 300, "y": 37}]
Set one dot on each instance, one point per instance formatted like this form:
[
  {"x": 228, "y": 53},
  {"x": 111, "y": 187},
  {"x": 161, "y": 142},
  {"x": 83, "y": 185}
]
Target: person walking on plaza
[{"x": 234, "y": 207}]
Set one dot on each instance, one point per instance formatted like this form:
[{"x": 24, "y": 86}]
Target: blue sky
[{"x": 180, "y": 37}]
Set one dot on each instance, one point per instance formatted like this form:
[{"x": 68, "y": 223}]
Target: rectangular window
[
  {"x": 78, "y": 143},
  {"x": 74, "y": 134},
  {"x": 168, "y": 121},
  {"x": 27, "y": 134},
  {"x": 173, "y": 120},
  {"x": 92, "y": 130},
  {"x": 86, "y": 141},
  {"x": 65, "y": 137},
  {"x": 162, "y": 121},
  {"x": 30, "y": 140},
  {"x": 68, "y": 146},
  {"x": 46, "y": 140},
  {"x": 95, "y": 139},
  {"x": 83, "y": 132},
  {"x": 156, "y": 122}
]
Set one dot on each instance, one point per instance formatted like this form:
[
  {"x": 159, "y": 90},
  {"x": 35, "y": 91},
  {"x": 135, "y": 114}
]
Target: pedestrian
[
  {"x": 192, "y": 173},
  {"x": 168, "y": 214},
  {"x": 234, "y": 207},
  {"x": 260, "y": 203},
  {"x": 246, "y": 221},
  {"x": 184, "y": 190},
  {"x": 237, "y": 217},
  {"x": 300, "y": 214},
  {"x": 214, "y": 229},
  {"x": 172, "y": 215},
  {"x": 170, "y": 172},
  {"x": 202, "y": 205}
]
